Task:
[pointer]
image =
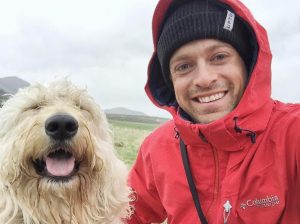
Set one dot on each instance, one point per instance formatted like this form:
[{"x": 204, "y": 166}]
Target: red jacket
[{"x": 260, "y": 180}]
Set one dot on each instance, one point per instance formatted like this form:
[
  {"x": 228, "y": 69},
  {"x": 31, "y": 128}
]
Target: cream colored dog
[{"x": 57, "y": 161}]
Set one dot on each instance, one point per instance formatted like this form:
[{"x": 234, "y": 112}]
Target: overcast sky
[{"x": 105, "y": 46}]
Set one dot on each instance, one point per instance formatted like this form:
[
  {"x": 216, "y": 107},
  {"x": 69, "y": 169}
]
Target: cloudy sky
[{"x": 105, "y": 46}]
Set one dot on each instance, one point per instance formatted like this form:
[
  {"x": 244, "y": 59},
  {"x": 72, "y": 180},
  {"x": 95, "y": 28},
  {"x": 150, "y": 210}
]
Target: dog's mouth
[{"x": 59, "y": 164}]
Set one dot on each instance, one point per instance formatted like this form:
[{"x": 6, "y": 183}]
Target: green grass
[{"x": 128, "y": 137}]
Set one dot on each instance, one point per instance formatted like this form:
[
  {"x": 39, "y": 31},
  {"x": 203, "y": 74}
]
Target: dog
[{"x": 57, "y": 160}]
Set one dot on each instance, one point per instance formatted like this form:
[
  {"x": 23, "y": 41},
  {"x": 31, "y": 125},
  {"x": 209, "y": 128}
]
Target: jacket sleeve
[
  {"x": 293, "y": 163},
  {"x": 147, "y": 205},
  {"x": 292, "y": 144}
]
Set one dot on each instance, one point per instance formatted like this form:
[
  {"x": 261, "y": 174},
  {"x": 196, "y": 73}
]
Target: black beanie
[{"x": 202, "y": 19}]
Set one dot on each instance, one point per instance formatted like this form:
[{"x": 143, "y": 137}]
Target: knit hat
[{"x": 202, "y": 19}]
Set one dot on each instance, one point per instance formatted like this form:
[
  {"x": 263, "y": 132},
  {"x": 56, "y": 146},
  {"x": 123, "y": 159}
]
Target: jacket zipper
[
  {"x": 216, "y": 185},
  {"x": 227, "y": 206}
]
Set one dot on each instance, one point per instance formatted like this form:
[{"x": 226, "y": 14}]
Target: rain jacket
[{"x": 249, "y": 158}]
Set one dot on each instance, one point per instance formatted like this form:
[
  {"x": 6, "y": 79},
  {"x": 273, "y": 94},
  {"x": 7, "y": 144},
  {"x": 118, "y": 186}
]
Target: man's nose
[{"x": 204, "y": 76}]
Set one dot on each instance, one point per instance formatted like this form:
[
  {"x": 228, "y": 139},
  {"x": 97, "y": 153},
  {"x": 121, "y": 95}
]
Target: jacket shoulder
[
  {"x": 287, "y": 112},
  {"x": 165, "y": 132},
  {"x": 164, "y": 135},
  {"x": 287, "y": 107},
  {"x": 286, "y": 132}
]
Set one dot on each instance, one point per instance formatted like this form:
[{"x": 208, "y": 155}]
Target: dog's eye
[
  {"x": 84, "y": 109},
  {"x": 36, "y": 106},
  {"x": 80, "y": 106}
]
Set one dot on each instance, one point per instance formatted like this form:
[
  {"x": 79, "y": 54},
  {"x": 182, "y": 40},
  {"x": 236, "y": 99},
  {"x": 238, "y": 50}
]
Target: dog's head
[
  {"x": 55, "y": 141},
  {"x": 53, "y": 132}
]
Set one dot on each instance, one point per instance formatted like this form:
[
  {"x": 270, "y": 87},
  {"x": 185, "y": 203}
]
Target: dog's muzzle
[{"x": 60, "y": 162}]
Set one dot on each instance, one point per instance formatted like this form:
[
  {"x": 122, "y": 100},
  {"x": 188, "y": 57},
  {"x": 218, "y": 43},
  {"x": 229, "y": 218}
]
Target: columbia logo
[{"x": 267, "y": 201}]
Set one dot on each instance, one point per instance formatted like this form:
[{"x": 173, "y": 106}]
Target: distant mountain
[
  {"x": 11, "y": 84},
  {"x": 124, "y": 114},
  {"x": 124, "y": 111},
  {"x": 2, "y": 92}
]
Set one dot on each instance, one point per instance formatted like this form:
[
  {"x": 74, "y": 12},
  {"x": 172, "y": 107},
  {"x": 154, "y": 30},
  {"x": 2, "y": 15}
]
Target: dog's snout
[{"x": 61, "y": 127}]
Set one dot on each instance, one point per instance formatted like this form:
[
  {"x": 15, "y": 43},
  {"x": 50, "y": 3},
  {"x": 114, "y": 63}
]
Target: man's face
[{"x": 209, "y": 79}]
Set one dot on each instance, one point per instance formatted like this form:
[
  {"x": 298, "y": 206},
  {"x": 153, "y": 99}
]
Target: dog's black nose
[{"x": 61, "y": 127}]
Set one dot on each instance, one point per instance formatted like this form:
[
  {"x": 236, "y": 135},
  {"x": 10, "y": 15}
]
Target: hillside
[
  {"x": 136, "y": 118},
  {"x": 11, "y": 84},
  {"x": 124, "y": 111},
  {"x": 124, "y": 114}
]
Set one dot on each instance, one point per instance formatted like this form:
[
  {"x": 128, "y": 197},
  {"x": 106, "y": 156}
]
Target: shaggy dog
[{"x": 57, "y": 161}]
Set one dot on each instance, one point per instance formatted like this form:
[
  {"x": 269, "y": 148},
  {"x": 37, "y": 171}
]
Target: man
[{"x": 231, "y": 154}]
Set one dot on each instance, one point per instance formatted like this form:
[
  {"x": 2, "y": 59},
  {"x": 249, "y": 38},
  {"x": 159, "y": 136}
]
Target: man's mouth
[
  {"x": 59, "y": 164},
  {"x": 211, "y": 98}
]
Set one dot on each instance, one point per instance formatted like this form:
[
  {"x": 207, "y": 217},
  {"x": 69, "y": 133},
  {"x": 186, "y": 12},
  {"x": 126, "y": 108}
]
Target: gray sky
[{"x": 106, "y": 45}]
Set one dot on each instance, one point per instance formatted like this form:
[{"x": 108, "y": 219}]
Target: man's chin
[{"x": 206, "y": 118}]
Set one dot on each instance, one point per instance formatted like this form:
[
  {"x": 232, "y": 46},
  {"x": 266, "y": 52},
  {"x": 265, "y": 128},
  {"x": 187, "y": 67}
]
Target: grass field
[{"x": 128, "y": 137}]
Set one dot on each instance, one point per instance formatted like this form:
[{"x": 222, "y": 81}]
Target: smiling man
[
  {"x": 208, "y": 77},
  {"x": 231, "y": 153}
]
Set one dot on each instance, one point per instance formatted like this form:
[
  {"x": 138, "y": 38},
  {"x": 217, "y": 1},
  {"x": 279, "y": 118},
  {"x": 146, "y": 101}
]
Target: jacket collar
[{"x": 222, "y": 134}]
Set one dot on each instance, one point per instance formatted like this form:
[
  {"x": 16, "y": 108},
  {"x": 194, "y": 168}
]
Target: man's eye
[
  {"x": 182, "y": 67},
  {"x": 219, "y": 57}
]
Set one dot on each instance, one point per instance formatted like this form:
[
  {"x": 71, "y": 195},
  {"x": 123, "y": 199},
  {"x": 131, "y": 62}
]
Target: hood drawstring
[
  {"x": 250, "y": 133},
  {"x": 176, "y": 133},
  {"x": 201, "y": 135}
]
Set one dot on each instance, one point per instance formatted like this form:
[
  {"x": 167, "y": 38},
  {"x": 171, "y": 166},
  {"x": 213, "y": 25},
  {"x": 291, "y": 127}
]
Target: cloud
[
  {"x": 281, "y": 20},
  {"x": 106, "y": 45}
]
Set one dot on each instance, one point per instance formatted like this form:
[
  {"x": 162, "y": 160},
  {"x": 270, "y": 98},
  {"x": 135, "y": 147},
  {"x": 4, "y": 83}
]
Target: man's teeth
[{"x": 207, "y": 99}]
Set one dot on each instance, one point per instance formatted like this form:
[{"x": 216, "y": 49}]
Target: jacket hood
[{"x": 257, "y": 93}]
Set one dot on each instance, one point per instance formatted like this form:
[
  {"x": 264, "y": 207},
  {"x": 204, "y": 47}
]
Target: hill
[
  {"x": 127, "y": 115},
  {"x": 124, "y": 111},
  {"x": 136, "y": 118},
  {"x": 11, "y": 84}
]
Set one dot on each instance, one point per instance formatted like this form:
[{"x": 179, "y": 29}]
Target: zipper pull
[{"x": 227, "y": 207}]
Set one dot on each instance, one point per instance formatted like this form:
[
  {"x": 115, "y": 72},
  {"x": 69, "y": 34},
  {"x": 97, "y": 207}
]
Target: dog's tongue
[{"x": 60, "y": 166}]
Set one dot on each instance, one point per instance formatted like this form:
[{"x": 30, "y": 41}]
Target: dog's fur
[{"x": 95, "y": 192}]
